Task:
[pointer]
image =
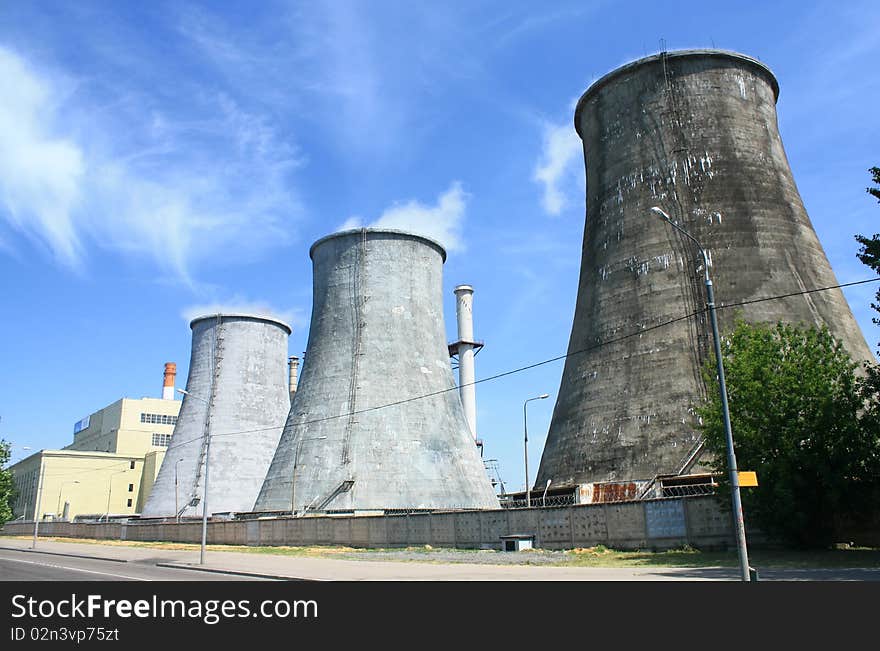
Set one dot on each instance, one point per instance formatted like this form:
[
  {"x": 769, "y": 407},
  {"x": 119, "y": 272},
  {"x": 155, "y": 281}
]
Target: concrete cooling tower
[
  {"x": 376, "y": 423},
  {"x": 695, "y": 134},
  {"x": 237, "y": 390}
]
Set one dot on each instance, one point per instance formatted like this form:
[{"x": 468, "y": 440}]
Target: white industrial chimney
[
  {"x": 293, "y": 366},
  {"x": 464, "y": 310}
]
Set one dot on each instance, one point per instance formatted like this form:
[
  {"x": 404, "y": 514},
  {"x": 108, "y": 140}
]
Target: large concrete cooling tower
[
  {"x": 377, "y": 338},
  {"x": 694, "y": 133},
  {"x": 236, "y": 390}
]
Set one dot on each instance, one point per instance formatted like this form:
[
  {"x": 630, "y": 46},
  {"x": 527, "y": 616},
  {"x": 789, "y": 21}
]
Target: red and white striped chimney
[{"x": 168, "y": 386}]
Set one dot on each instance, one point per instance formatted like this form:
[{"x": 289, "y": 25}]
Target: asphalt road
[
  {"x": 80, "y": 561},
  {"x": 37, "y": 566}
]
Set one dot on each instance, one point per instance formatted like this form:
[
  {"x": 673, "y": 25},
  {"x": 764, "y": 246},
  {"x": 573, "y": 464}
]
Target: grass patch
[
  {"x": 688, "y": 557},
  {"x": 598, "y": 556}
]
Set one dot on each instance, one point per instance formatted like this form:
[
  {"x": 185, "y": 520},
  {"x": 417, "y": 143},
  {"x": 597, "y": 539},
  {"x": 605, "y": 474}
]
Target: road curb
[
  {"x": 213, "y": 570},
  {"x": 40, "y": 551}
]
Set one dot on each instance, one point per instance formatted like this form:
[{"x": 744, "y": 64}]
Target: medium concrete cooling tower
[
  {"x": 694, "y": 133},
  {"x": 237, "y": 390},
  {"x": 376, "y": 422}
]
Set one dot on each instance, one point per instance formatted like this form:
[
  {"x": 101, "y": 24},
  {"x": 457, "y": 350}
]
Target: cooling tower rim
[
  {"x": 243, "y": 315},
  {"x": 384, "y": 231},
  {"x": 675, "y": 54}
]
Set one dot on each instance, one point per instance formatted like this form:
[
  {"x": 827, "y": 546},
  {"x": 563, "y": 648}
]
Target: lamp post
[
  {"x": 60, "y": 490},
  {"x": 526, "y": 444},
  {"x": 39, "y": 500},
  {"x": 722, "y": 388},
  {"x": 293, "y": 474},
  {"x": 205, "y": 490},
  {"x": 110, "y": 491},
  {"x": 176, "y": 505}
]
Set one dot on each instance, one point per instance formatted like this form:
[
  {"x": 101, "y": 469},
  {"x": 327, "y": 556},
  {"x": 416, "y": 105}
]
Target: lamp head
[{"x": 658, "y": 211}]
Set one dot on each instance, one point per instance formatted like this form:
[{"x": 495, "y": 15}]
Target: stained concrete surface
[
  {"x": 376, "y": 422},
  {"x": 694, "y": 133}
]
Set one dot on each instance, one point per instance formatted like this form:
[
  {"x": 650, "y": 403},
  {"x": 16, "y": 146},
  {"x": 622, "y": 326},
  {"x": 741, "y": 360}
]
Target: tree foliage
[
  {"x": 800, "y": 420},
  {"x": 7, "y": 492},
  {"x": 870, "y": 251},
  {"x": 870, "y": 255}
]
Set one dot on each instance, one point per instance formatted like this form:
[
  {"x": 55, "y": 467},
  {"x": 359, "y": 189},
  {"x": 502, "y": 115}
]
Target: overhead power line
[
  {"x": 544, "y": 362},
  {"x": 528, "y": 367}
]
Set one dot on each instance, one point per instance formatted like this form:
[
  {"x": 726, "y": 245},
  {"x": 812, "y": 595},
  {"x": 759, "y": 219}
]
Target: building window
[
  {"x": 161, "y": 440},
  {"x": 131, "y": 465},
  {"x": 158, "y": 419},
  {"x": 129, "y": 502},
  {"x": 131, "y": 488}
]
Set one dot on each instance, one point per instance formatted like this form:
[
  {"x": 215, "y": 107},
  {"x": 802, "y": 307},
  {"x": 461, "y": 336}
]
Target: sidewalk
[{"x": 328, "y": 569}]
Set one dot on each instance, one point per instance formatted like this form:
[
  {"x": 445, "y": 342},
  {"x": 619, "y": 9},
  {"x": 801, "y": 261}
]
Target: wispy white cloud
[
  {"x": 557, "y": 166},
  {"x": 176, "y": 190},
  {"x": 294, "y": 317},
  {"x": 368, "y": 76},
  {"x": 328, "y": 59},
  {"x": 40, "y": 171},
  {"x": 517, "y": 24},
  {"x": 441, "y": 222}
]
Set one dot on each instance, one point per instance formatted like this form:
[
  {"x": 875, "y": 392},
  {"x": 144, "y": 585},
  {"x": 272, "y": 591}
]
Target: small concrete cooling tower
[
  {"x": 694, "y": 133},
  {"x": 237, "y": 389},
  {"x": 376, "y": 338}
]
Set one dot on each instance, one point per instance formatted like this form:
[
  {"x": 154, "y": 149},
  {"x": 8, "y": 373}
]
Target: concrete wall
[{"x": 655, "y": 524}]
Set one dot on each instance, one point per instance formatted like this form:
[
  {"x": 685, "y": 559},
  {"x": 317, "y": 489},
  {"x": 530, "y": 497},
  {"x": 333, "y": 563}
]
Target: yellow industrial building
[{"x": 109, "y": 468}]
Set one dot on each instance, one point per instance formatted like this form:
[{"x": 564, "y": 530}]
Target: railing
[
  {"x": 538, "y": 501},
  {"x": 687, "y": 490},
  {"x": 653, "y": 490}
]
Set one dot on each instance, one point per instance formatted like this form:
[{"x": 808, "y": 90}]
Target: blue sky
[{"x": 163, "y": 159}]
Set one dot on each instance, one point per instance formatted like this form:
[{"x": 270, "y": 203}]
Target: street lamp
[
  {"x": 75, "y": 481},
  {"x": 37, "y": 505},
  {"x": 110, "y": 491},
  {"x": 722, "y": 387},
  {"x": 205, "y": 489},
  {"x": 526, "y": 444},
  {"x": 176, "y": 506},
  {"x": 544, "y": 496},
  {"x": 293, "y": 474},
  {"x": 38, "y": 491}
]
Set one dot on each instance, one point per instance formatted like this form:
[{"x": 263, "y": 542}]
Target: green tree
[
  {"x": 7, "y": 491},
  {"x": 870, "y": 255},
  {"x": 870, "y": 251},
  {"x": 799, "y": 420}
]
